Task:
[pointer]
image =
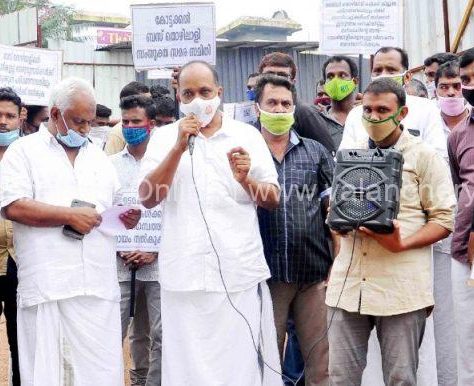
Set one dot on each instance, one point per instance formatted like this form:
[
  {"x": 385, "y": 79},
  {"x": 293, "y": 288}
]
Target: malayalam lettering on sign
[
  {"x": 31, "y": 72},
  {"x": 169, "y": 35},
  {"x": 360, "y": 27}
]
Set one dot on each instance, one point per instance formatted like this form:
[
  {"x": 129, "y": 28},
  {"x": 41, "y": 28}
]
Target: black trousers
[{"x": 8, "y": 285}]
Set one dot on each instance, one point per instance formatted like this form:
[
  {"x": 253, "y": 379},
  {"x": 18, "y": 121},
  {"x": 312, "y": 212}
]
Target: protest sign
[
  {"x": 146, "y": 236},
  {"x": 361, "y": 26},
  {"x": 168, "y": 35},
  {"x": 31, "y": 72}
]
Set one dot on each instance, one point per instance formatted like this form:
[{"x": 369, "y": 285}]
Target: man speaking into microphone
[{"x": 217, "y": 314}]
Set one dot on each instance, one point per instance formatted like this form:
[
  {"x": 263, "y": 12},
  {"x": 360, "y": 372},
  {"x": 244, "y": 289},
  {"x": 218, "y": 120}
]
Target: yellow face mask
[{"x": 378, "y": 130}]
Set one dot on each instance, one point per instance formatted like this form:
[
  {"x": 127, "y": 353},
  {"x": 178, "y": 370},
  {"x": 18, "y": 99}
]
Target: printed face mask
[
  {"x": 135, "y": 135},
  {"x": 338, "y": 89},
  {"x": 204, "y": 109}
]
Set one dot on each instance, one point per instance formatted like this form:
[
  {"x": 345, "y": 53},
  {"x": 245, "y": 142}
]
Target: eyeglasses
[{"x": 282, "y": 74}]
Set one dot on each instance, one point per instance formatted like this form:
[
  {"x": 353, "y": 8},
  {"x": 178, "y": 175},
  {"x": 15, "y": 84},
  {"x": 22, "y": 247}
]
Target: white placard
[
  {"x": 361, "y": 26},
  {"x": 163, "y": 73},
  {"x": 31, "y": 72},
  {"x": 169, "y": 35},
  {"x": 146, "y": 236}
]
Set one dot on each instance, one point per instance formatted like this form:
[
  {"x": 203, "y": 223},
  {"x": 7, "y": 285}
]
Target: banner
[
  {"x": 360, "y": 27},
  {"x": 169, "y": 35},
  {"x": 31, "y": 72}
]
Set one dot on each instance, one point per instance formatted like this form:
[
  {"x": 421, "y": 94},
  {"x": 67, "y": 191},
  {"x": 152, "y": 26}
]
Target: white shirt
[
  {"x": 423, "y": 120},
  {"x": 128, "y": 169},
  {"x": 187, "y": 261},
  {"x": 52, "y": 266}
]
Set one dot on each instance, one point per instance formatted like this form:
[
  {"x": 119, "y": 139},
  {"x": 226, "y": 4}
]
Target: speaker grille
[{"x": 361, "y": 188}]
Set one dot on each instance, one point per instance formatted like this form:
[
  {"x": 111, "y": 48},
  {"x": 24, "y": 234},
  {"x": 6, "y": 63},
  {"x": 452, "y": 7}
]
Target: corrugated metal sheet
[
  {"x": 18, "y": 27},
  {"x": 424, "y": 27},
  {"x": 107, "y": 71},
  {"x": 235, "y": 65}
]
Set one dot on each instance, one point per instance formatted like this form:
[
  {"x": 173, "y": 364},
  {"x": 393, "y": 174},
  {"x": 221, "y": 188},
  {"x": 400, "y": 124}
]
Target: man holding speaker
[
  {"x": 385, "y": 280},
  {"x": 422, "y": 119},
  {"x": 210, "y": 173},
  {"x": 294, "y": 235}
]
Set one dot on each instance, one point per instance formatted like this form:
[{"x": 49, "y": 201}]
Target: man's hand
[
  {"x": 138, "y": 259},
  {"x": 239, "y": 161},
  {"x": 84, "y": 219},
  {"x": 392, "y": 241},
  {"x": 470, "y": 248},
  {"x": 189, "y": 125},
  {"x": 131, "y": 218}
]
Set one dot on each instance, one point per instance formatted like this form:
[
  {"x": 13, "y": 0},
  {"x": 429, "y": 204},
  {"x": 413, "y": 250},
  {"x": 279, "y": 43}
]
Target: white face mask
[{"x": 204, "y": 109}]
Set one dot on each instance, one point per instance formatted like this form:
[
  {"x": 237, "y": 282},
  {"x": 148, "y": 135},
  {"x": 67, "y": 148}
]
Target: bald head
[
  {"x": 198, "y": 68},
  {"x": 198, "y": 79}
]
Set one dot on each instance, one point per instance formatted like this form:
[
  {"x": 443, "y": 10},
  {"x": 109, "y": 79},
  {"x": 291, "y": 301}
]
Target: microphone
[{"x": 191, "y": 140}]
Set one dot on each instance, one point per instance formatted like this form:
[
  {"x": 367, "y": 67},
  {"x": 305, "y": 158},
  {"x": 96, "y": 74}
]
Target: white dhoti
[
  {"x": 82, "y": 332},
  {"x": 207, "y": 343}
]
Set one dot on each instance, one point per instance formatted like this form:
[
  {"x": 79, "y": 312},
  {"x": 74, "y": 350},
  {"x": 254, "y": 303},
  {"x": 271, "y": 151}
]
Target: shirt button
[
  {"x": 363, "y": 279},
  {"x": 364, "y": 254}
]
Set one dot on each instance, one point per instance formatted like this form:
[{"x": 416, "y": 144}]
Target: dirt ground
[{"x": 4, "y": 356}]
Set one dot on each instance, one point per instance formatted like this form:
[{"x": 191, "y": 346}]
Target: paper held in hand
[{"x": 111, "y": 224}]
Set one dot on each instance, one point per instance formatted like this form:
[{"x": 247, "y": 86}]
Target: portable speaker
[{"x": 366, "y": 190}]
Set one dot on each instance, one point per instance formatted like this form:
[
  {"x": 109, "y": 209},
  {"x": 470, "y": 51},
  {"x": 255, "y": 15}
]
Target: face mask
[
  {"x": 431, "y": 88},
  {"x": 8, "y": 137},
  {"x": 250, "y": 95},
  {"x": 204, "y": 109},
  {"x": 379, "y": 130},
  {"x": 72, "y": 139},
  {"x": 338, "y": 88},
  {"x": 468, "y": 94},
  {"x": 135, "y": 135},
  {"x": 451, "y": 106},
  {"x": 276, "y": 123},
  {"x": 397, "y": 78},
  {"x": 324, "y": 101}
]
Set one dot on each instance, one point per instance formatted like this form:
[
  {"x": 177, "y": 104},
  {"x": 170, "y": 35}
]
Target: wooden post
[
  {"x": 447, "y": 43},
  {"x": 462, "y": 27}
]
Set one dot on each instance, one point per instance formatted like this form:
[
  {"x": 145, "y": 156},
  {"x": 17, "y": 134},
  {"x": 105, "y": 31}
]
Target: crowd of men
[{"x": 247, "y": 284}]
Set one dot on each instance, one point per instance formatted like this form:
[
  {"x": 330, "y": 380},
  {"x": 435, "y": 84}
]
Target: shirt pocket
[{"x": 301, "y": 182}]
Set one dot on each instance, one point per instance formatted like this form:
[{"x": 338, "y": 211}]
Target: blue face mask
[
  {"x": 250, "y": 95},
  {"x": 72, "y": 139},
  {"x": 8, "y": 137},
  {"x": 135, "y": 135}
]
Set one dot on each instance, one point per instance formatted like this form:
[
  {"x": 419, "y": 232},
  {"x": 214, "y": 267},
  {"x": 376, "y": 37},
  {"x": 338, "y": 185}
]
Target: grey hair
[{"x": 65, "y": 91}]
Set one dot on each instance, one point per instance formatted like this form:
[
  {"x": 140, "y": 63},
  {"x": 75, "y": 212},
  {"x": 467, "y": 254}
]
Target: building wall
[
  {"x": 107, "y": 71},
  {"x": 424, "y": 28},
  {"x": 234, "y": 65}
]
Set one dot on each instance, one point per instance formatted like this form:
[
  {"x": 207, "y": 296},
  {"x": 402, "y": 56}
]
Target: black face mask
[{"x": 468, "y": 95}]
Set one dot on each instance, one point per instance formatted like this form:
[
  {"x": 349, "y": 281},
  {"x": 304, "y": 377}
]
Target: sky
[{"x": 304, "y": 12}]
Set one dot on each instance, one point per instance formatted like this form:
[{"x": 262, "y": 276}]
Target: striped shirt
[{"x": 295, "y": 238}]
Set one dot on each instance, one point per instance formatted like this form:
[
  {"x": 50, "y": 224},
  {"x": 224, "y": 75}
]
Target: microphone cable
[{"x": 256, "y": 348}]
